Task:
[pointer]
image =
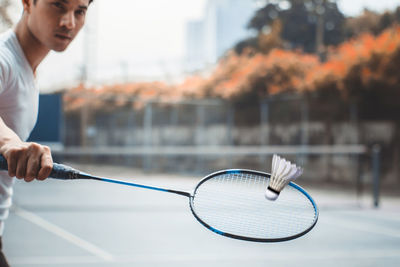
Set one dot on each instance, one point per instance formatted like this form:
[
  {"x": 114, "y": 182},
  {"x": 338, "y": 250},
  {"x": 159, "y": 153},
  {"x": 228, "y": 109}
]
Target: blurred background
[{"x": 185, "y": 88}]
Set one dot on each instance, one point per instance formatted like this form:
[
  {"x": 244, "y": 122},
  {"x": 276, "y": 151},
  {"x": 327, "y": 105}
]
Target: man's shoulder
[
  {"x": 7, "y": 60},
  {"x": 7, "y": 55}
]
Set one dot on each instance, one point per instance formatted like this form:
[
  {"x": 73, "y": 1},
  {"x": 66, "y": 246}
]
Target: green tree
[{"x": 306, "y": 24}]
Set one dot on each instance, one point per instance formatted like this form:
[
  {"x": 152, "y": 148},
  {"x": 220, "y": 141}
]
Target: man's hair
[{"x": 34, "y": 1}]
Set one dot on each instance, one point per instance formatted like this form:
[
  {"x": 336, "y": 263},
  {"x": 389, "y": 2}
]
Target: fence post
[
  {"x": 304, "y": 131},
  {"x": 264, "y": 135},
  {"x": 230, "y": 124},
  {"x": 264, "y": 118},
  {"x": 230, "y": 121},
  {"x": 376, "y": 151},
  {"x": 84, "y": 118},
  {"x": 200, "y": 134},
  {"x": 304, "y": 122},
  {"x": 147, "y": 139}
]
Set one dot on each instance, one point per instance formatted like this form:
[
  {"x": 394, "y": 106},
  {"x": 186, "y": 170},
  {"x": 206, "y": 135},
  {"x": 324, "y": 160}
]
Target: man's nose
[{"x": 68, "y": 20}]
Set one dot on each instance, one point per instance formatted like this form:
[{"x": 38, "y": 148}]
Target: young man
[{"x": 45, "y": 25}]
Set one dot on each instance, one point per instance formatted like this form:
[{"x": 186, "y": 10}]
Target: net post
[{"x": 376, "y": 151}]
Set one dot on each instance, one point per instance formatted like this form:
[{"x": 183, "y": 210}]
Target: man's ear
[{"x": 27, "y": 5}]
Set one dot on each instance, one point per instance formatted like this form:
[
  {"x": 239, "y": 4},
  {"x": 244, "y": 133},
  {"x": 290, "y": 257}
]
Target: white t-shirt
[{"x": 19, "y": 97}]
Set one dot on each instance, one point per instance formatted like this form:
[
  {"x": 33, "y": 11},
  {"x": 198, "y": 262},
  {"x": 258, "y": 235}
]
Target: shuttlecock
[{"x": 283, "y": 172}]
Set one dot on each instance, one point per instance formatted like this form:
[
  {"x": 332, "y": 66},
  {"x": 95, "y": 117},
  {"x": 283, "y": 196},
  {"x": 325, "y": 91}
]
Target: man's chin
[{"x": 59, "y": 48}]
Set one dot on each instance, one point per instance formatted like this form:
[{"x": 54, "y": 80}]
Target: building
[{"x": 223, "y": 25}]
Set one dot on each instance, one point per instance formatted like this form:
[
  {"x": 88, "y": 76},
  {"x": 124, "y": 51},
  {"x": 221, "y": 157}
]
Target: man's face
[{"x": 55, "y": 23}]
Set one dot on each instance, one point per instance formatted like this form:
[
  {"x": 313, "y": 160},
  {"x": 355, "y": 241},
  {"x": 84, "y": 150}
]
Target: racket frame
[{"x": 246, "y": 238}]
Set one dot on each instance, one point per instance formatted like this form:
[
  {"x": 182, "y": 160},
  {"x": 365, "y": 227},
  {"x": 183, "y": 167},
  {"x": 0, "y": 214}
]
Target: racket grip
[
  {"x": 64, "y": 172},
  {"x": 59, "y": 171}
]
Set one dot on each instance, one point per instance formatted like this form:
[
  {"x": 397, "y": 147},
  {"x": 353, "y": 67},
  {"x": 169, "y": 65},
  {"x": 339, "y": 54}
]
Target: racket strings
[{"x": 235, "y": 203}]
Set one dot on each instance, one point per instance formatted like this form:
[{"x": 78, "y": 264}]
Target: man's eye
[
  {"x": 80, "y": 12},
  {"x": 58, "y": 5}
]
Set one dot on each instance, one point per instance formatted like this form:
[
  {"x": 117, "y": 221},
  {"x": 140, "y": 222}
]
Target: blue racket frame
[{"x": 259, "y": 173}]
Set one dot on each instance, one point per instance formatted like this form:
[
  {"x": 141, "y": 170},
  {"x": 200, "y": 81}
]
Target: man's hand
[{"x": 27, "y": 160}]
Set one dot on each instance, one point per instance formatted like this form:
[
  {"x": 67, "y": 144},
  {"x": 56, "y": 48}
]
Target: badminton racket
[{"x": 232, "y": 203}]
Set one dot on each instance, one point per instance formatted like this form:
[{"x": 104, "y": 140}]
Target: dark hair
[{"x": 34, "y": 1}]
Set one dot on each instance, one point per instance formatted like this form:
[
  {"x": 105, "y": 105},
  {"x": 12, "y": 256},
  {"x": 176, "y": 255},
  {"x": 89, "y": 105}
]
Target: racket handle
[
  {"x": 64, "y": 172},
  {"x": 59, "y": 171}
]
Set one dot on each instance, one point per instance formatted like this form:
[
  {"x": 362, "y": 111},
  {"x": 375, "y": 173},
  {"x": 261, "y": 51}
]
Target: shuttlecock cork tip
[
  {"x": 271, "y": 194},
  {"x": 283, "y": 172}
]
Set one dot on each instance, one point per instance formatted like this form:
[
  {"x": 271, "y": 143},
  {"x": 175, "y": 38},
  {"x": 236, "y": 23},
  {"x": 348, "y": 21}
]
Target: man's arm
[{"x": 26, "y": 160}]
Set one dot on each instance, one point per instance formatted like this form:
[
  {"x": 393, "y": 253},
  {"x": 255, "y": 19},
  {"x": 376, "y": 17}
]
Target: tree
[
  {"x": 306, "y": 24},
  {"x": 371, "y": 22},
  {"x": 264, "y": 42},
  {"x": 366, "y": 22}
]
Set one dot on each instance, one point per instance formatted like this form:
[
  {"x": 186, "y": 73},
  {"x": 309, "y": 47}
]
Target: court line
[
  {"x": 212, "y": 257},
  {"x": 370, "y": 228},
  {"x": 387, "y": 216},
  {"x": 48, "y": 260},
  {"x": 79, "y": 242}
]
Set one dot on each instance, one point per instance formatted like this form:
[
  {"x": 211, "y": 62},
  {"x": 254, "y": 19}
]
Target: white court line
[
  {"x": 370, "y": 228},
  {"x": 239, "y": 258},
  {"x": 33, "y": 218},
  {"x": 40, "y": 261},
  {"x": 387, "y": 216}
]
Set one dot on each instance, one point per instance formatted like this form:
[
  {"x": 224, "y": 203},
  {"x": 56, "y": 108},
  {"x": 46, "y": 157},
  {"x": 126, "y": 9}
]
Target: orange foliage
[
  {"x": 132, "y": 95},
  {"x": 363, "y": 51},
  {"x": 261, "y": 74},
  {"x": 258, "y": 75}
]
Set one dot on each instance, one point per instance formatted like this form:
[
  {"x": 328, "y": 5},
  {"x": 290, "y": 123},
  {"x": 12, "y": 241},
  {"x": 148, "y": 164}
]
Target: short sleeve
[
  {"x": 1, "y": 79},
  {"x": 3, "y": 73}
]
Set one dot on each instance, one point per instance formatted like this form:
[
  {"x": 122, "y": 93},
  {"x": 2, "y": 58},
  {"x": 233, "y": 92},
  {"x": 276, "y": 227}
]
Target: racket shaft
[{"x": 64, "y": 172}]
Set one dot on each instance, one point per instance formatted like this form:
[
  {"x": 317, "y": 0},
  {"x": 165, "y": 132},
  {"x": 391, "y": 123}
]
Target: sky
[{"x": 139, "y": 40}]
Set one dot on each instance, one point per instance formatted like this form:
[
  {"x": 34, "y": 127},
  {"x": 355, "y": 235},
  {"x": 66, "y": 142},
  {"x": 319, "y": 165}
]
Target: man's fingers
[
  {"x": 46, "y": 163},
  {"x": 31, "y": 153},
  {"x": 21, "y": 167},
  {"x": 29, "y": 161},
  {"x": 12, "y": 164},
  {"x": 32, "y": 168}
]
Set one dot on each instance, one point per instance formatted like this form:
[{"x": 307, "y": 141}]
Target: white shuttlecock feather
[{"x": 283, "y": 172}]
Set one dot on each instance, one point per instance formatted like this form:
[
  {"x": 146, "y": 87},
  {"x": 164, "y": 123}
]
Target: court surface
[{"x": 90, "y": 223}]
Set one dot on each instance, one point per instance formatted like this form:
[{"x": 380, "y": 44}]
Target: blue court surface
[{"x": 91, "y": 223}]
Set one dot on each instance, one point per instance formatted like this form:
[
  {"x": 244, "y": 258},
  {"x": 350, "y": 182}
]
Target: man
[{"x": 45, "y": 25}]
